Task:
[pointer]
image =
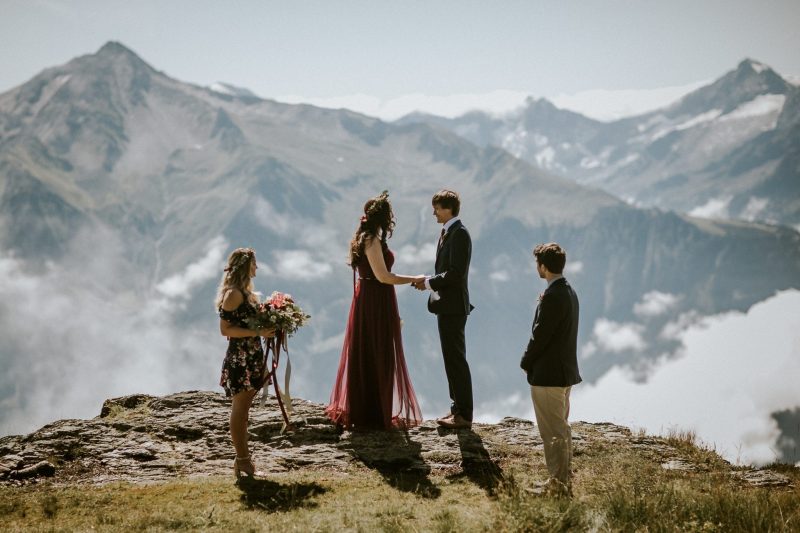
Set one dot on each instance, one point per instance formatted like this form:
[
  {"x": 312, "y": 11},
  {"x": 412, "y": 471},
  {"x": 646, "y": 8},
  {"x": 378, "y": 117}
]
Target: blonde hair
[{"x": 237, "y": 276}]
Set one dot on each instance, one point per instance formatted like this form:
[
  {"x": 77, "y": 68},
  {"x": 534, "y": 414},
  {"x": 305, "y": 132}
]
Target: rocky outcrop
[{"x": 143, "y": 438}]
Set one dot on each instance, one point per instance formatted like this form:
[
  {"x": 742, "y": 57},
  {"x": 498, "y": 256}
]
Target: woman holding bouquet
[
  {"x": 373, "y": 389},
  {"x": 243, "y": 370}
]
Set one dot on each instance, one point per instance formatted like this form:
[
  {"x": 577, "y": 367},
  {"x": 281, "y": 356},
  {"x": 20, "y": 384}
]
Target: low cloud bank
[
  {"x": 68, "y": 343},
  {"x": 733, "y": 371}
]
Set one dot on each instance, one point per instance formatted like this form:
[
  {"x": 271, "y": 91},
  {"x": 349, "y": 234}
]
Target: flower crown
[
  {"x": 376, "y": 206},
  {"x": 243, "y": 260}
]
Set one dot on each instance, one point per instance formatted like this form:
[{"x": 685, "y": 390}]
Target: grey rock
[
  {"x": 762, "y": 478},
  {"x": 143, "y": 438},
  {"x": 679, "y": 464}
]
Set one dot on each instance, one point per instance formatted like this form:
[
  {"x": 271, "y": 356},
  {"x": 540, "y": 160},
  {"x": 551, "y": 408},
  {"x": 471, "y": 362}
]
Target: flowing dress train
[{"x": 373, "y": 389}]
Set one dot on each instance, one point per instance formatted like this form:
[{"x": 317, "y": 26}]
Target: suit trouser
[
  {"x": 551, "y": 405},
  {"x": 454, "y": 351}
]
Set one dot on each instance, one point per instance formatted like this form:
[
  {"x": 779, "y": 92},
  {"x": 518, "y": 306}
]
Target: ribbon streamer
[{"x": 275, "y": 345}]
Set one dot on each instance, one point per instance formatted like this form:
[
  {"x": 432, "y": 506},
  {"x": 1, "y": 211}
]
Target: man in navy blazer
[
  {"x": 449, "y": 301},
  {"x": 551, "y": 364}
]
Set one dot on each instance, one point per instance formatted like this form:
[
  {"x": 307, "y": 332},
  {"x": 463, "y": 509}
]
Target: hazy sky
[{"x": 388, "y": 49}]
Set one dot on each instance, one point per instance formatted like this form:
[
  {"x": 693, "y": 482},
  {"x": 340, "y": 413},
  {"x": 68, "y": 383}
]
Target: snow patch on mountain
[
  {"x": 702, "y": 118},
  {"x": 546, "y": 158},
  {"x": 761, "y": 105},
  {"x": 227, "y": 88},
  {"x": 713, "y": 208}
]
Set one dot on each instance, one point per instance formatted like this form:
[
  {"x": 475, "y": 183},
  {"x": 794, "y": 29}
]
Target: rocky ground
[{"x": 143, "y": 438}]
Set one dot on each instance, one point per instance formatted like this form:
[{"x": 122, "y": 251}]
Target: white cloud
[
  {"x": 68, "y": 343},
  {"x": 655, "y": 303},
  {"x": 603, "y": 104},
  {"x": 299, "y": 264},
  {"x": 495, "y": 102},
  {"x": 272, "y": 219},
  {"x": 599, "y": 104},
  {"x": 515, "y": 404},
  {"x": 735, "y": 370},
  {"x": 587, "y": 350},
  {"x": 619, "y": 336},
  {"x": 573, "y": 267},
  {"x": 755, "y": 206},
  {"x": 411, "y": 255},
  {"x": 499, "y": 275},
  {"x": 714, "y": 208},
  {"x": 675, "y": 329},
  {"x": 207, "y": 267},
  {"x": 329, "y": 343}
]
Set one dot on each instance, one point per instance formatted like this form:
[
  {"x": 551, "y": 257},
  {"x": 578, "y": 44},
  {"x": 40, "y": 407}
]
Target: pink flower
[{"x": 278, "y": 300}]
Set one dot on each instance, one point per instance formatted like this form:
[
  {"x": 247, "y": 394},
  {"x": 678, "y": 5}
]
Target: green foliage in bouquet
[{"x": 280, "y": 312}]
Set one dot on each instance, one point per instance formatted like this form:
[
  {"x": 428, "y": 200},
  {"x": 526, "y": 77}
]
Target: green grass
[{"x": 617, "y": 488}]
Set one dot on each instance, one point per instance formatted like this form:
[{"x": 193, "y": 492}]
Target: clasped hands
[{"x": 419, "y": 283}]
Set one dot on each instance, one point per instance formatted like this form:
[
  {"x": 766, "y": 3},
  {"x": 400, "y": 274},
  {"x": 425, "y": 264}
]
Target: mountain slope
[
  {"x": 725, "y": 150},
  {"x": 124, "y": 189}
]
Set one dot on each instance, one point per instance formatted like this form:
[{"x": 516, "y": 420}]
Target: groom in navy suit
[{"x": 449, "y": 301}]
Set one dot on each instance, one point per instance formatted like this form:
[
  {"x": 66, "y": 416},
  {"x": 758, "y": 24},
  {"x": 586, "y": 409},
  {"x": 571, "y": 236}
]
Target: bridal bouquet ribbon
[{"x": 282, "y": 313}]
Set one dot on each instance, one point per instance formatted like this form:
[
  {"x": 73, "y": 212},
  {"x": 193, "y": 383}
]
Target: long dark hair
[{"x": 377, "y": 222}]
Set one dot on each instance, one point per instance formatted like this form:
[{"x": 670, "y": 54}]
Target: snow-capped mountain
[
  {"x": 122, "y": 190},
  {"x": 727, "y": 150}
]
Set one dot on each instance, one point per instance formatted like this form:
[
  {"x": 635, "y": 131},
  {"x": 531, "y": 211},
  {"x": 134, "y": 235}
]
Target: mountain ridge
[
  {"x": 675, "y": 157},
  {"x": 117, "y": 186}
]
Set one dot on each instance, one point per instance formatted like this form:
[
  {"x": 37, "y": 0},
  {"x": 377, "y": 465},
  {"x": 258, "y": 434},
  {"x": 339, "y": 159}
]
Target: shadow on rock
[
  {"x": 271, "y": 496},
  {"x": 397, "y": 458},
  {"x": 476, "y": 464}
]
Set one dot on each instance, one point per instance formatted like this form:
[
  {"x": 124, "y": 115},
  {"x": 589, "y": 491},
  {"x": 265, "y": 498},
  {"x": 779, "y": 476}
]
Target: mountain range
[
  {"x": 123, "y": 189},
  {"x": 726, "y": 150}
]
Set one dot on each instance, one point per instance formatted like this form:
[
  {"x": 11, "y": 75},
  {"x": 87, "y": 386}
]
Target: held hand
[
  {"x": 419, "y": 283},
  {"x": 266, "y": 332}
]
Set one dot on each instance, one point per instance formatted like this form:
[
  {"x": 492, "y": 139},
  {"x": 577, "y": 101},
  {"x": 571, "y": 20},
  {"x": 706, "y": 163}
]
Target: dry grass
[{"x": 617, "y": 488}]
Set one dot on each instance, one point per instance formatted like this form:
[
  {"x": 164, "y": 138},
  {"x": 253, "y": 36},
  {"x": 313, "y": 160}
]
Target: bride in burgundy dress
[{"x": 373, "y": 389}]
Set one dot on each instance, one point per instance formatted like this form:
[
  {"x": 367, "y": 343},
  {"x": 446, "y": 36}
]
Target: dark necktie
[{"x": 441, "y": 238}]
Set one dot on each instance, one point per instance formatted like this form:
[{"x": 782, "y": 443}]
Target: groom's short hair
[
  {"x": 552, "y": 256},
  {"x": 447, "y": 199}
]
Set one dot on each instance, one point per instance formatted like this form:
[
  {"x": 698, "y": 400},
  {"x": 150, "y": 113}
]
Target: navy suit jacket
[
  {"x": 551, "y": 358},
  {"x": 451, "y": 296}
]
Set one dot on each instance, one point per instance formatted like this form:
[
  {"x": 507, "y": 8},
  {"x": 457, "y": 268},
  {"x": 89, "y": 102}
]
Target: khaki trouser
[{"x": 551, "y": 405}]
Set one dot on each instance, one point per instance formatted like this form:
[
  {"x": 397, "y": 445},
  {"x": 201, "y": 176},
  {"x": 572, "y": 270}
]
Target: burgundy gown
[{"x": 373, "y": 389}]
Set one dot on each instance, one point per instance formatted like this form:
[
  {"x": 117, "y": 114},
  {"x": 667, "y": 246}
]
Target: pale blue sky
[{"x": 387, "y": 49}]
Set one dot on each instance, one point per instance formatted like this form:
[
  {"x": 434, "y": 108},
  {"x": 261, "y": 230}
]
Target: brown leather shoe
[
  {"x": 457, "y": 422},
  {"x": 445, "y": 418}
]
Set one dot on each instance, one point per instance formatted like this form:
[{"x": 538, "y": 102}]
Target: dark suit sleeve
[
  {"x": 460, "y": 250},
  {"x": 551, "y": 313}
]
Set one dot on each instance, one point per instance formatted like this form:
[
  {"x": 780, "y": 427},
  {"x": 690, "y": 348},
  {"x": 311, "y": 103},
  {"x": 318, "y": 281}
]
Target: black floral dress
[{"x": 243, "y": 368}]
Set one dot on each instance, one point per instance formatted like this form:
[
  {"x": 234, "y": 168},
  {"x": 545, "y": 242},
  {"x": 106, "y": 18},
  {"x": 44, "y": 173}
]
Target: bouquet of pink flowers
[{"x": 279, "y": 312}]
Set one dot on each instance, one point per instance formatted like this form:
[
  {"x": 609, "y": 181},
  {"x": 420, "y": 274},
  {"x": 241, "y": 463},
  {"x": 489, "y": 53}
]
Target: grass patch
[
  {"x": 117, "y": 412},
  {"x": 683, "y": 507},
  {"x": 617, "y": 487}
]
